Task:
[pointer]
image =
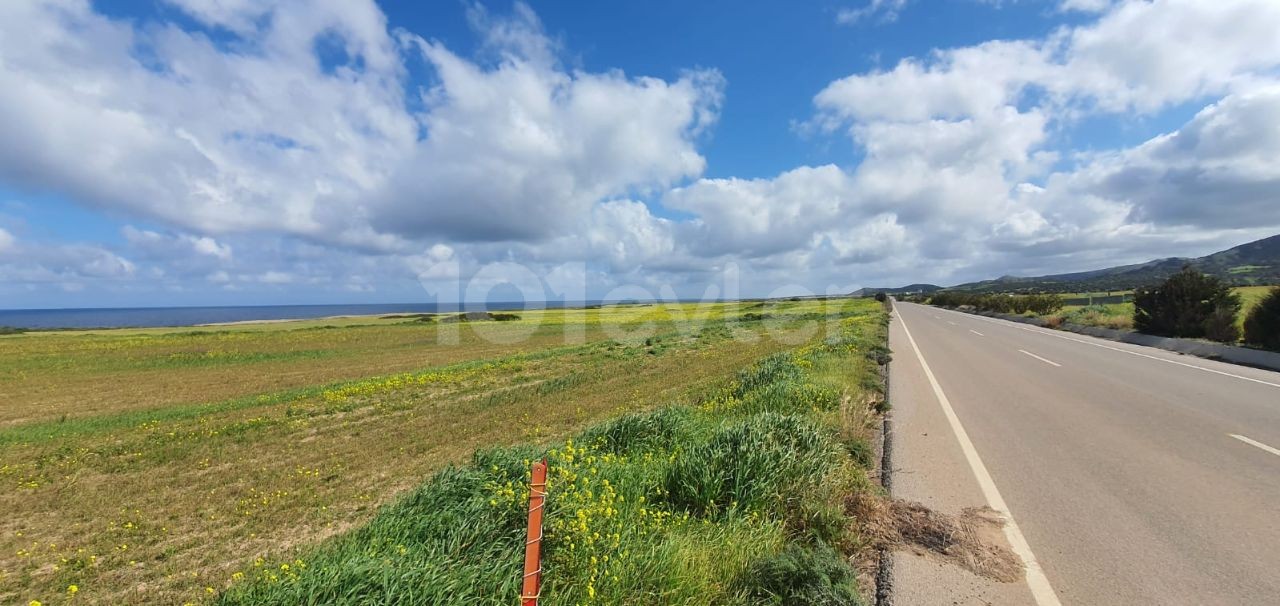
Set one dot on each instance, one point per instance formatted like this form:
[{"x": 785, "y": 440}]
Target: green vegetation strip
[
  {"x": 75, "y": 426},
  {"x": 742, "y": 499},
  {"x": 51, "y": 430}
]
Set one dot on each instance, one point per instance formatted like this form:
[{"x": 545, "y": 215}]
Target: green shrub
[
  {"x": 756, "y": 464},
  {"x": 476, "y": 316},
  {"x": 1262, "y": 327},
  {"x": 1009, "y": 304},
  {"x": 879, "y": 354},
  {"x": 802, "y": 575},
  {"x": 1221, "y": 324},
  {"x": 1188, "y": 304}
]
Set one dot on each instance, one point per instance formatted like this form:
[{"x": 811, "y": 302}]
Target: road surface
[{"x": 1132, "y": 475}]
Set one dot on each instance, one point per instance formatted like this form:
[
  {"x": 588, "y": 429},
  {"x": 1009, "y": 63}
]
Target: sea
[{"x": 138, "y": 317}]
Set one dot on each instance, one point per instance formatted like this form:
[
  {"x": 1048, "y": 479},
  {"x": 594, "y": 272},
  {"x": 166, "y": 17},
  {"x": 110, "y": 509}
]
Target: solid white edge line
[
  {"x": 1274, "y": 451},
  {"x": 1051, "y": 333},
  {"x": 1039, "y": 358},
  {"x": 1041, "y": 590},
  {"x": 976, "y": 332}
]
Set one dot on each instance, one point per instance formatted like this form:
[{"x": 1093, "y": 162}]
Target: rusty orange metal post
[{"x": 532, "y": 586}]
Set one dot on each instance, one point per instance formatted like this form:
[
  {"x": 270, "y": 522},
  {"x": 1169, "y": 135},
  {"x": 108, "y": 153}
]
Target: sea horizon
[{"x": 196, "y": 315}]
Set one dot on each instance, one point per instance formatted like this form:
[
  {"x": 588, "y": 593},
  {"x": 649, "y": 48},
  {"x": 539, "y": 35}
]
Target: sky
[{"x": 228, "y": 152}]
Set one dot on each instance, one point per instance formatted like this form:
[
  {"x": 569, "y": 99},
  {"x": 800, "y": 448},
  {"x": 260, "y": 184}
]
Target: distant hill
[
  {"x": 909, "y": 289},
  {"x": 1248, "y": 264}
]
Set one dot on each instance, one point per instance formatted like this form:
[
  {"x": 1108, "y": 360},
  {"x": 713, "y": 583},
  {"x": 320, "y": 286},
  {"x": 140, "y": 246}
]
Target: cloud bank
[{"x": 259, "y": 144}]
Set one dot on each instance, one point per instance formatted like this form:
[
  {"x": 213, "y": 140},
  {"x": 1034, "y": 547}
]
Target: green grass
[
  {"x": 1244, "y": 269},
  {"x": 1250, "y": 296},
  {"x": 153, "y": 465},
  {"x": 738, "y": 499},
  {"x": 1113, "y": 315}
]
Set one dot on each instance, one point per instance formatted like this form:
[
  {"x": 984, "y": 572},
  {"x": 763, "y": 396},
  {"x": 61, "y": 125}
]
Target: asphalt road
[{"x": 1119, "y": 465}]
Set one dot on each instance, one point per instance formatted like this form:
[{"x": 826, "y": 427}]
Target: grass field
[
  {"x": 1251, "y": 296},
  {"x": 166, "y": 466},
  {"x": 1120, "y": 315}
]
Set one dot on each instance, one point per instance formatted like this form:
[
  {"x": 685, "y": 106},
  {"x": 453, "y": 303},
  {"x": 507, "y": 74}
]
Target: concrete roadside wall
[{"x": 1205, "y": 349}]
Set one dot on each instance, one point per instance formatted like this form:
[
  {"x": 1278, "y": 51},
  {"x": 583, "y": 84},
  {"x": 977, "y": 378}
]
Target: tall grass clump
[
  {"x": 773, "y": 369},
  {"x": 759, "y": 464},
  {"x": 659, "y": 430},
  {"x": 802, "y": 575},
  {"x": 441, "y": 544},
  {"x": 740, "y": 499}
]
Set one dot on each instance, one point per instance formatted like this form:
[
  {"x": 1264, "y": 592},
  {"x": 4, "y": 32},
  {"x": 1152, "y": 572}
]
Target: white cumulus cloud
[
  {"x": 258, "y": 162},
  {"x": 167, "y": 124}
]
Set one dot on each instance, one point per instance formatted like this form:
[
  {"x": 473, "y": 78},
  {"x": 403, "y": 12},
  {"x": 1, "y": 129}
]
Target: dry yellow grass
[{"x": 162, "y": 497}]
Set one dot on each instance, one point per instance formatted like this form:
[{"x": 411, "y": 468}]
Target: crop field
[{"x": 193, "y": 465}]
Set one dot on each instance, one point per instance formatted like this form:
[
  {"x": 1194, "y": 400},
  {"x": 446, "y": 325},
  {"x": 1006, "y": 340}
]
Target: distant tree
[
  {"x": 1262, "y": 326},
  {"x": 1188, "y": 304},
  {"x": 880, "y": 296}
]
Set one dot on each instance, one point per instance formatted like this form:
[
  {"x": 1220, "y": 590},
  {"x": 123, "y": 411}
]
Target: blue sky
[{"x": 179, "y": 152}]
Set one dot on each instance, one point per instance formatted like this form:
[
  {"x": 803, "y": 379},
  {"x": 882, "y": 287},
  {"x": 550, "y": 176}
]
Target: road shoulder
[{"x": 930, "y": 468}]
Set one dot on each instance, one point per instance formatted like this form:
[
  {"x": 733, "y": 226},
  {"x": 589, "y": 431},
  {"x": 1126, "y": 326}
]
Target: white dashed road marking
[
  {"x": 1274, "y": 451},
  {"x": 1039, "y": 358}
]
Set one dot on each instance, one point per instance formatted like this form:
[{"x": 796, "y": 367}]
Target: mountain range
[{"x": 1253, "y": 263}]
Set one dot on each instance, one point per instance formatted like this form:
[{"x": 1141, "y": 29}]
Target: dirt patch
[{"x": 973, "y": 540}]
